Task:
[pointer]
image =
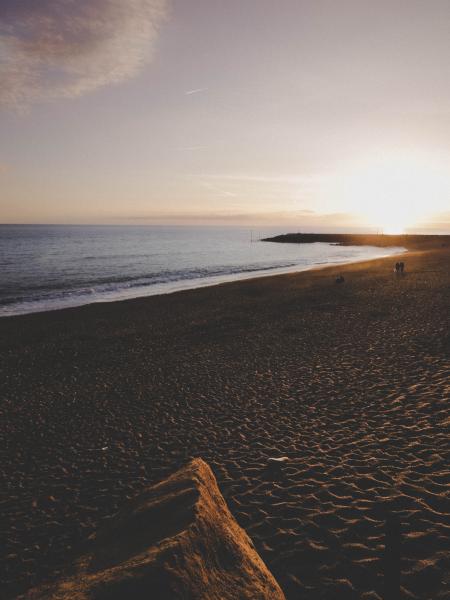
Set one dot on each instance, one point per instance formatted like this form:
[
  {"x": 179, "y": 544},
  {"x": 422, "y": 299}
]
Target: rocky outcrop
[{"x": 176, "y": 540}]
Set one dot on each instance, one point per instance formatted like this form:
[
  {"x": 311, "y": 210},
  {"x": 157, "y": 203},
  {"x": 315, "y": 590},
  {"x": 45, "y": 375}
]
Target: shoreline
[
  {"x": 349, "y": 382},
  {"x": 213, "y": 281}
]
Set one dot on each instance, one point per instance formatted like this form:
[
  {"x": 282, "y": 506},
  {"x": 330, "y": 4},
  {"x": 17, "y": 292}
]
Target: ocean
[{"x": 48, "y": 267}]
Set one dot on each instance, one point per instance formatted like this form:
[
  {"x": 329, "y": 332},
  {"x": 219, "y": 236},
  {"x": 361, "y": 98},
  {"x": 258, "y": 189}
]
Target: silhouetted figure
[
  {"x": 397, "y": 267},
  {"x": 392, "y": 557},
  {"x": 402, "y": 267}
]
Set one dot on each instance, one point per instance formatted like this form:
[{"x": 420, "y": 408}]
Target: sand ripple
[{"x": 351, "y": 384}]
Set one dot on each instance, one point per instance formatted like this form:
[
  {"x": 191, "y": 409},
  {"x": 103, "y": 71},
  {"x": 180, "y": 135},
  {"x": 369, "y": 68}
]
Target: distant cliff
[{"x": 356, "y": 239}]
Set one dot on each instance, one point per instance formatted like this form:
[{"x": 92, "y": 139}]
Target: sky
[{"x": 317, "y": 115}]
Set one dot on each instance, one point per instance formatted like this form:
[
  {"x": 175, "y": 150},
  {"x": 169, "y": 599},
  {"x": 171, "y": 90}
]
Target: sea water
[{"x": 48, "y": 267}]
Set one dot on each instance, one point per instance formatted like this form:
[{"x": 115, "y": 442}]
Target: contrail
[{"x": 194, "y": 91}]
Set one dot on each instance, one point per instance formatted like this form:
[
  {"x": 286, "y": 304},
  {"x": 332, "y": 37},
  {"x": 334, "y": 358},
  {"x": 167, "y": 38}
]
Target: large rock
[{"x": 177, "y": 540}]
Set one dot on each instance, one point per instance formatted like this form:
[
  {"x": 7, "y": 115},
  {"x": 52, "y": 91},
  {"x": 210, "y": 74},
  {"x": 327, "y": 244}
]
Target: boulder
[{"x": 177, "y": 540}]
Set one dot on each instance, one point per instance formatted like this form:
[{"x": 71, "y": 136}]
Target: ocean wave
[
  {"x": 52, "y": 270},
  {"x": 42, "y": 293}
]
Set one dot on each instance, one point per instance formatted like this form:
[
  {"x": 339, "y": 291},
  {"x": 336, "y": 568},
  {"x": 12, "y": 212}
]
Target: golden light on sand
[{"x": 394, "y": 193}]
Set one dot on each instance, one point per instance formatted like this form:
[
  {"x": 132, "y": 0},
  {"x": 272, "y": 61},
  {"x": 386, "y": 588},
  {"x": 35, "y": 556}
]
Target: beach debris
[
  {"x": 340, "y": 279},
  {"x": 176, "y": 540},
  {"x": 275, "y": 465},
  {"x": 280, "y": 460}
]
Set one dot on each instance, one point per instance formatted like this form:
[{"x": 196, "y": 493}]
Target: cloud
[
  {"x": 218, "y": 190},
  {"x": 303, "y": 182},
  {"x": 286, "y": 179},
  {"x": 307, "y": 220},
  {"x": 66, "y": 48},
  {"x": 192, "y": 148},
  {"x": 438, "y": 223}
]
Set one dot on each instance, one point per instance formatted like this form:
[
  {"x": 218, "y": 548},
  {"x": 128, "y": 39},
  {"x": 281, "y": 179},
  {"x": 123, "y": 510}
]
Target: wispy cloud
[
  {"x": 305, "y": 220},
  {"x": 268, "y": 179},
  {"x": 437, "y": 223},
  {"x": 192, "y": 148},
  {"x": 51, "y": 49},
  {"x": 218, "y": 190}
]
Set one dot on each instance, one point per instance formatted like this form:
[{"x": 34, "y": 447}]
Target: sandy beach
[{"x": 350, "y": 382}]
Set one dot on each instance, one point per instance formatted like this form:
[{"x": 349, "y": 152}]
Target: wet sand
[{"x": 350, "y": 382}]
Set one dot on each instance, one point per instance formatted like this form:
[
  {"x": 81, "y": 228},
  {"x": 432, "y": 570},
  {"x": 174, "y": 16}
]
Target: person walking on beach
[
  {"x": 397, "y": 267},
  {"x": 402, "y": 266}
]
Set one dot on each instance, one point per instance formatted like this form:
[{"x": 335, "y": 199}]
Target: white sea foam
[{"x": 53, "y": 267}]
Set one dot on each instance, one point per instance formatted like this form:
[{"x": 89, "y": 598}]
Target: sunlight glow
[{"x": 394, "y": 193}]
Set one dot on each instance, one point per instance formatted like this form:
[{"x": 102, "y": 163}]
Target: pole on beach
[{"x": 392, "y": 557}]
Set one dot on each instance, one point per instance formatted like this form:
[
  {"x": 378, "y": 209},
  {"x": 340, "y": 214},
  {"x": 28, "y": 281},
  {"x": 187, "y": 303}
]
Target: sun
[
  {"x": 393, "y": 229},
  {"x": 394, "y": 193}
]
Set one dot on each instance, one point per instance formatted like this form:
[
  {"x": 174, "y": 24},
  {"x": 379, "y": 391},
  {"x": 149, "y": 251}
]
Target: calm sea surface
[{"x": 51, "y": 267}]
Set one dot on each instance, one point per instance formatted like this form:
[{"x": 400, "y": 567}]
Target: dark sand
[{"x": 350, "y": 382}]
